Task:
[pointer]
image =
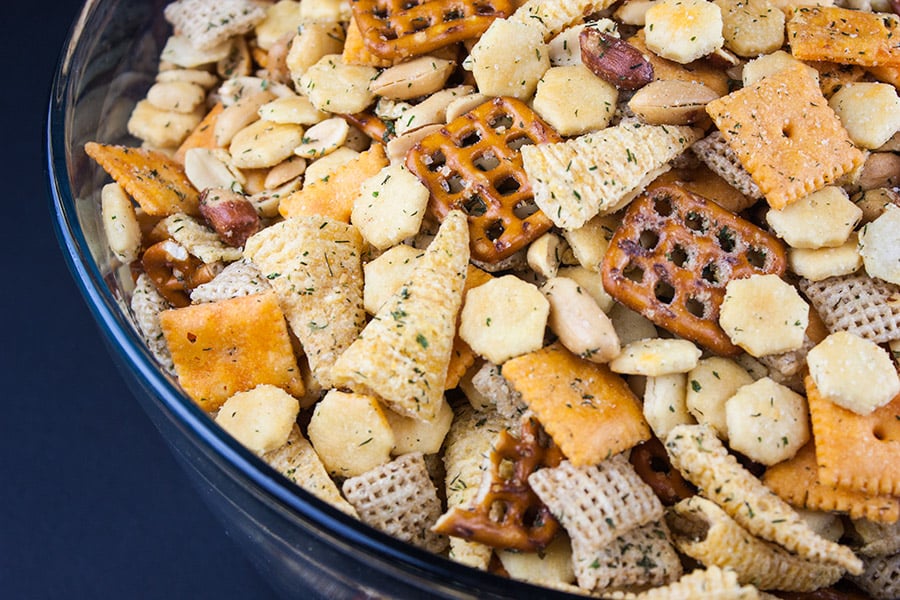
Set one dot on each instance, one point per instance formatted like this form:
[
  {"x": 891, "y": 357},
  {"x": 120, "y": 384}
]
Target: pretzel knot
[
  {"x": 173, "y": 276},
  {"x": 506, "y": 513}
]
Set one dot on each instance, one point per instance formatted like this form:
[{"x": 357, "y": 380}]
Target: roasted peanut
[
  {"x": 582, "y": 327},
  {"x": 237, "y": 116},
  {"x": 672, "y": 102},
  {"x": 418, "y": 77}
]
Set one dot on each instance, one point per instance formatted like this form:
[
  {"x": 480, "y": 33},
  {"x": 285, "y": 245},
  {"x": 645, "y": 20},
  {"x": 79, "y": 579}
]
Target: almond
[
  {"x": 230, "y": 214},
  {"x": 615, "y": 61},
  {"x": 672, "y": 102}
]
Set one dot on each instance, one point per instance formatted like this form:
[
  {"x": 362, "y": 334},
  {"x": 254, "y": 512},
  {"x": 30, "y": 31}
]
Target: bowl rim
[{"x": 177, "y": 407}]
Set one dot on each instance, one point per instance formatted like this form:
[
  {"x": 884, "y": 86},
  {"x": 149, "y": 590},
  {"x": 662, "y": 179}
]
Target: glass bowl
[{"x": 302, "y": 546}]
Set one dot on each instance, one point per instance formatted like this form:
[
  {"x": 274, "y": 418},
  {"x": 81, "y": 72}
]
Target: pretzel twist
[{"x": 173, "y": 277}]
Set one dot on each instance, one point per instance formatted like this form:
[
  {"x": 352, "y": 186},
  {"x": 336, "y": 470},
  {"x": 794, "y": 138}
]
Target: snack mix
[{"x": 603, "y": 296}]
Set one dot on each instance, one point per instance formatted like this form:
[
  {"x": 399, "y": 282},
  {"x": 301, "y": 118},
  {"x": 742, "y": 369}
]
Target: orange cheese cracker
[
  {"x": 221, "y": 348},
  {"x": 155, "y": 181},
  {"x": 786, "y": 136},
  {"x": 357, "y": 53},
  {"x": 588, "y": 410},
  {"x": 462, "y": 357},
  {"x": 333, "y": 197},
  {"x": 796, "y": 481},
  {"x": 853, "y": 451},
  {"x": 203, "y": 136},
  {"x": 842, "y": 35}
]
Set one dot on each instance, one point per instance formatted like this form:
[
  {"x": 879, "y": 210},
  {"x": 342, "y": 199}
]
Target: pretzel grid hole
[{"x": 400, "y": 19}]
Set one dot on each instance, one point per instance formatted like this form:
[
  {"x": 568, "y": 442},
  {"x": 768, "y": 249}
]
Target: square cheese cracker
[
  {"x": 588, "y": 410},
  {"x": 221, "y": 348},
  {"x": 786, "y": 136}
]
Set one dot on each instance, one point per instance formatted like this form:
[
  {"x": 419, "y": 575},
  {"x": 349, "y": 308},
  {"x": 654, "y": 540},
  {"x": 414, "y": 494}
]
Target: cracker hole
[
  {"x": 420, "y": 23},
  {"x": 484, "y": 9},
  {"x": 507, "y": 186},
  {"x": 648, "y": 239},
  {"x": 475, "y": 206},
  {"x": 452, "y": 184},
  {"x": 495, "y": 230},
  {"x": 436, "y": 161},
  {"x": 453, "y": 15},
  {"x": 501, "y": 122},
  {"x": 695, "y": 222},
  {"x": 633, "y": 272},
  {"x": 710, "y": 273},
  {"x": 695, "y": 307},
  {"x": 518, "y": 141},
  {"x": 727, "y": 240},
  {"x": 787, "y": 130},
  {"x": 664, "y": 292},
  {"x": 525, "y": 209},
  {"x": 756, "y": 257},
  {"x": 408, "y": 4},
  {"x": 879, "y": 434},
  {"x": 380, "y": 13},
  {"x": 663, "y": 206},
  {"x": 486, "y": 162},
  {"x": 388, "y": 34},
  {"x": 469, "y": 139},
  {"x": 677, "y": 256}
]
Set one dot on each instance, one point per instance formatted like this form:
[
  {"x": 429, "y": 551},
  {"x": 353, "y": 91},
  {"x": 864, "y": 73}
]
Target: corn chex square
[
  {"x": 208, "y": 23},
  {"x": 403, "y": 354},
  {"x": 600, "y": 172},
  {"x": 596, "y": 505},
  {"x": 785, "y": 134},
  {"x": 313, "y": 264},
  {"x": 221, "y": 348},
  {"x": 403, "y": 482}
]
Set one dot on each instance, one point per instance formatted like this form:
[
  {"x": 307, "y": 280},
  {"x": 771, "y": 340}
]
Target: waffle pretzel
[
  {"x": 673, "y": 255},
  {"x": 473, "y": 164},
  {"x": 396, "y": 29},
  {"x": 525, "y": 523}
]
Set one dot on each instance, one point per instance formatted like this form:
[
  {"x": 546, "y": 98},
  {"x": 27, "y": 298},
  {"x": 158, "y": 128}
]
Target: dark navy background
[{"x": 92, "y": 504}]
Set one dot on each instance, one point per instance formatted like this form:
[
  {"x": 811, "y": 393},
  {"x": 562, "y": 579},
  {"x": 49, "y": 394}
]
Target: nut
[
  {"x": 881, "y": 170},
  {"x": 672, "y": 102},
  {"x": 237, "y": 116},
  {"x": 613, "y": 60},
  {"x": 230, "y": 214},
  {"x": 418, "y": 77},
  {"x": 323, "y": 138}
]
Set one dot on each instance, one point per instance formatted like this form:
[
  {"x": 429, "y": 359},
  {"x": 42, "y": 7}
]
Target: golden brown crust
[
  {"x": 221, "y": 348},
  {"x": 698, "y": 248},
  {"x": 447, "y": 162},
  {"x": 155, "y": 181},
  {"x": 588, "y": 410}
]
